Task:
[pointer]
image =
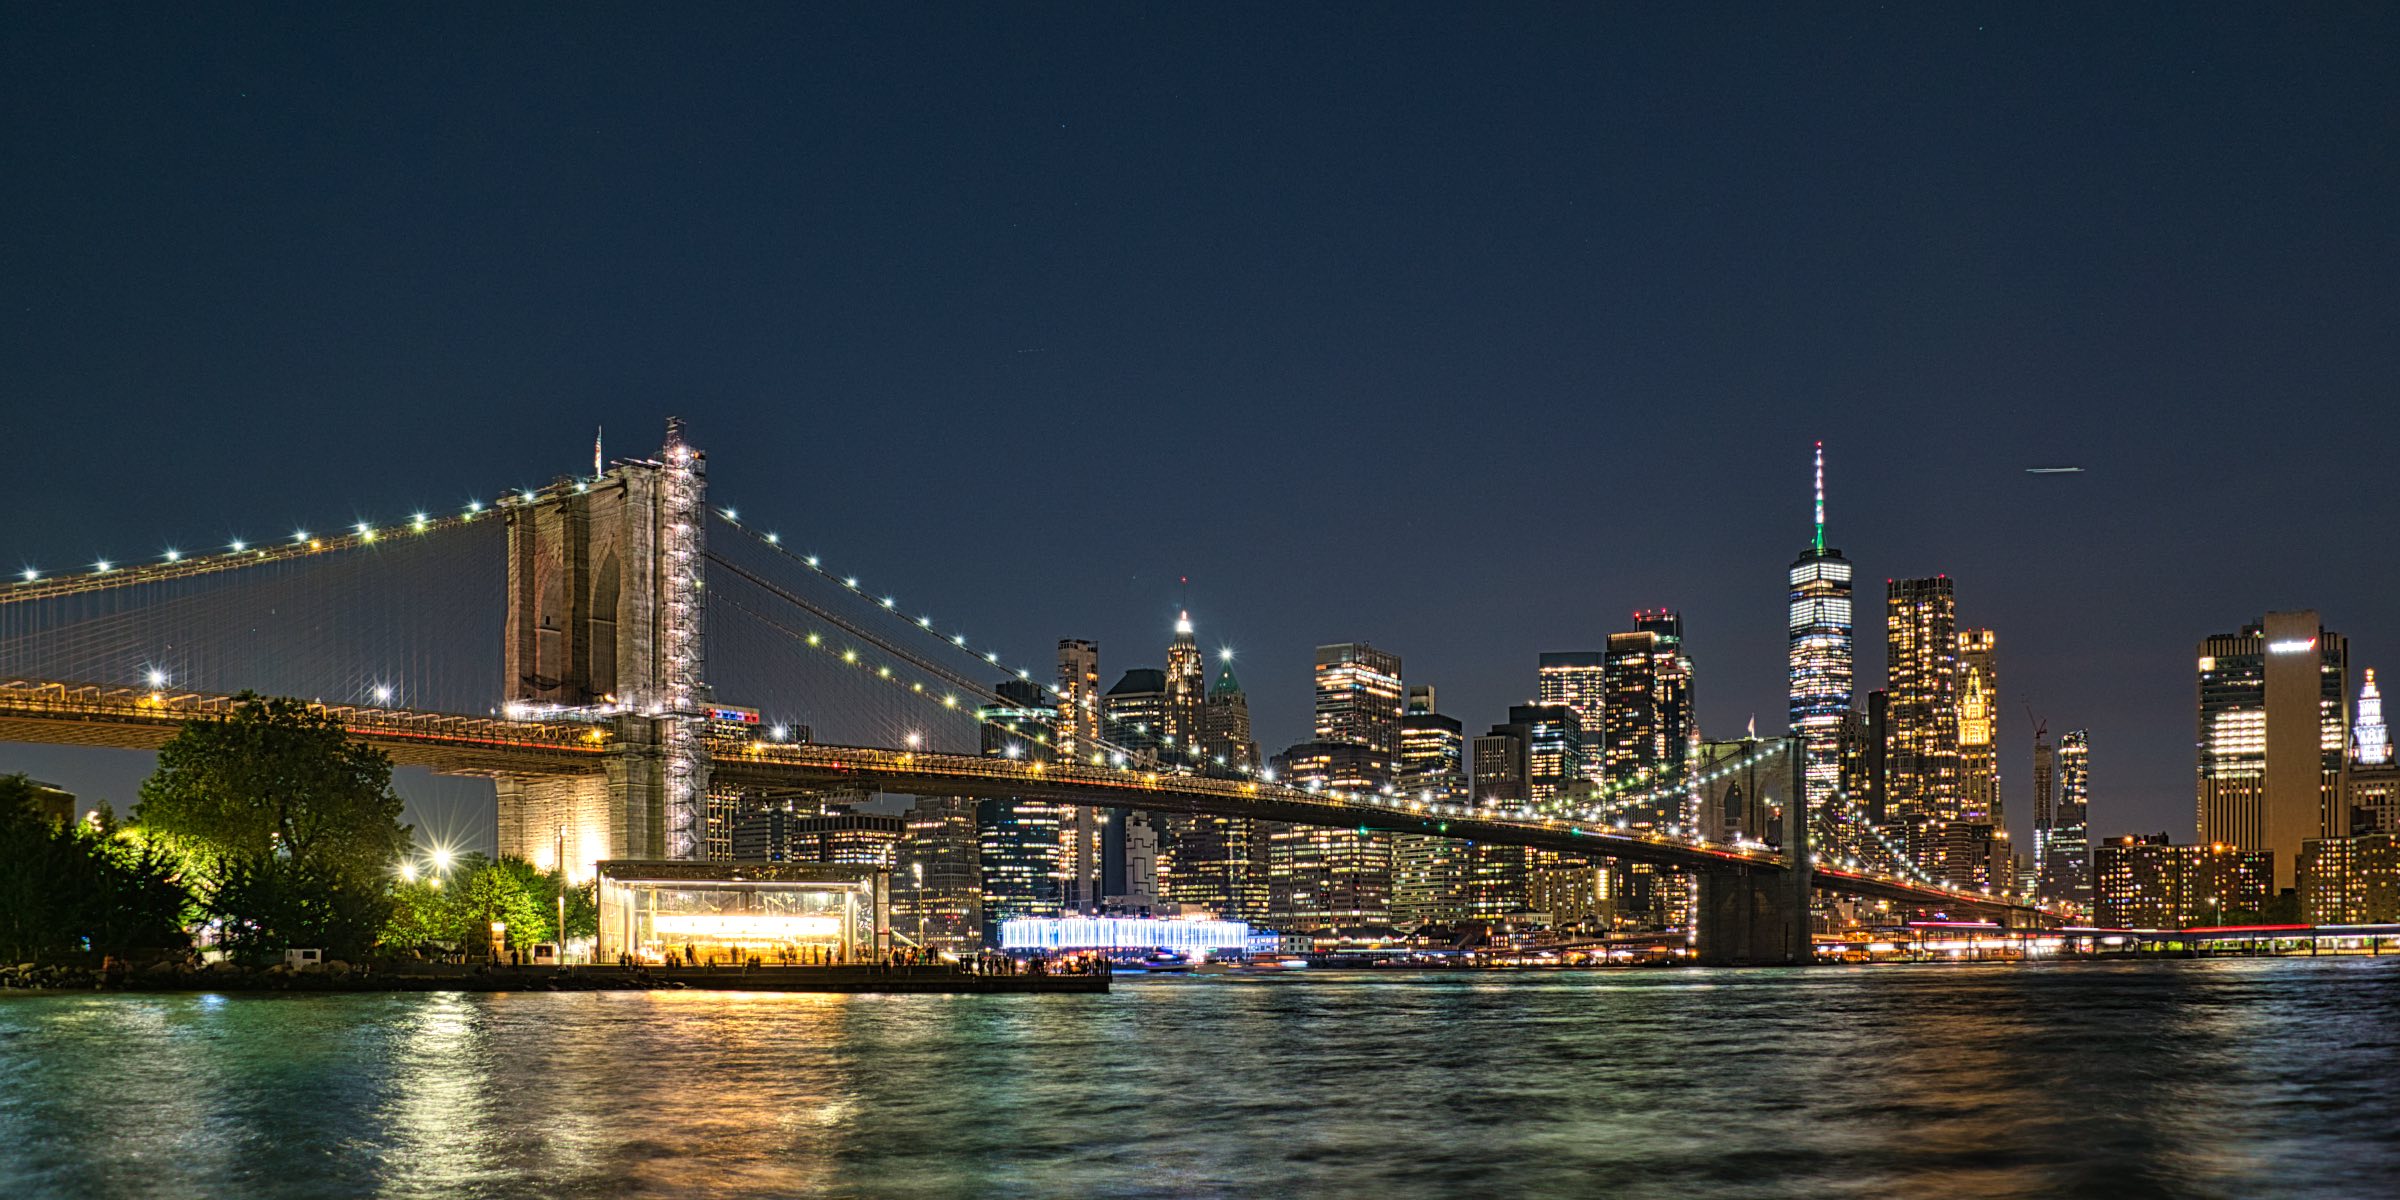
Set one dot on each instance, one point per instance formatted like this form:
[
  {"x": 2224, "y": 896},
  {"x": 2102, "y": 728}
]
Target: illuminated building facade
[
  {"x": 937, "y": 885},
  {"x": 1040, "y": 934},
  {"x": 791, "y": 831},
  {"x": 2374, "y": 775},
  {"x": 1134, "y": 713},
  {"x": 1218, "y": 864},
  {"x": 1225, "y": 740},
  {"x": 1429, "y": 874},
  {"x": 1820, "y": 654},
  {"x": 2274, "y": 737},
  {"x": 2351, "y": 880},
  {"x": 2370, "y": 738},
  {"x": 1553, "y": 751},
  {"x": 1321, "y": 878},
  {"x": 1978, "y": 726},
  {"x": 1360, "y": 698},
  {"x": 1186, "y": 691},
  {"x": 1921, "y": 781},
  {"x": 1022, "y": 845},
  {"x": 732, "y": 912},
  {"x": 1648, "y": 700},
  {"x": 1578, "y": 680},
  {"x": 2151, "y": 883},
  {"x": 2068, "y": 857}
]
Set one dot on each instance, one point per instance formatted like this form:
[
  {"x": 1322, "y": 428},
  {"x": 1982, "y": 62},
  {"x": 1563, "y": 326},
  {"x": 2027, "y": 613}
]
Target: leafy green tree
[
  {"x": 75, "y": 888},
  {"x": 288, "y": 826},
  {"x": 275, "y": 778},
  {"x": 459, "y": 911}
]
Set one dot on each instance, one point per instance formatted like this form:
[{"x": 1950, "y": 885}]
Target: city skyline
[{"x": 1055, "y": 276}]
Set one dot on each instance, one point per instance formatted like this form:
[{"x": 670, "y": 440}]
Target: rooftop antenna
[{"x": 1820, "y": 497}]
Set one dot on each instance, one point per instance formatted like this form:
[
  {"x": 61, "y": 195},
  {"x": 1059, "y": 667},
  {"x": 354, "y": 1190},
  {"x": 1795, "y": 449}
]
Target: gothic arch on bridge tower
[{"x": 607, "y": 582}]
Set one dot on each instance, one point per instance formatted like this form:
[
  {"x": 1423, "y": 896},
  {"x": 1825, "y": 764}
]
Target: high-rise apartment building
[
  {"x": 1360, "y": 698},
  {"x": 2150, "y": 883},
  {"x": 2274, "y": 737},
  {"x": 1921, "y": 781},
  {"x": 1578, "y": 679},
  {"x": 1648, "y": 699},
  {"x": 1820, "y": 654}
]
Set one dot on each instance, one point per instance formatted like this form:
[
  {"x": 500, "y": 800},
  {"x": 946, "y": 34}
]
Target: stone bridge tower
[{"x": 604, "y": 624}]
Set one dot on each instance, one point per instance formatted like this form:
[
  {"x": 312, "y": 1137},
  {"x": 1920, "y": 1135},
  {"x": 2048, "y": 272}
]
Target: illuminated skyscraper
[
  {"x": 1648, "y": 726},
  {"x": 1921, "y": 787},
  {"x": 1078, "y": 698},
  {"x": 2045, "y": 805},
  {"x": 2068, "y": 858},
  {"x": 1133, "y": 714},
  {"x": 2274, "y": 736},
  {"x": 1429, "y": 874},
  {"x": 1553, "y": 750},
  {"x": 1225, "y": 723},
  {"x": 1578, "y": 679},
  {"x": 1025, "y": 866},
  {"x": 937, "y": 889},
  {"x": 1213, "y": 863},
  {"x": 1978, "y": 726},
  {"x": 1359, "y": 698},
  {"x": 1187, "y": 690},
  {"x": 2370, "y": 738},
  {"x": 1820, "y": 660}
]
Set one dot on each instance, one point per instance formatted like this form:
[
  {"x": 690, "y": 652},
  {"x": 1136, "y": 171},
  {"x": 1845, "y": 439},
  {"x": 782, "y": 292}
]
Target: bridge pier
[{"x": 1753, "y": 920}]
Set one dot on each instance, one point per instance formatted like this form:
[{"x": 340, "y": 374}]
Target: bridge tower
[
  {"x": 1759, "y": 918},
  {"x": 604, "y": 624}
]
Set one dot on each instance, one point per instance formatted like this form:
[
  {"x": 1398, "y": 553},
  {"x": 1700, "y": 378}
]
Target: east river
[{"x": 2225, "y": 1078}]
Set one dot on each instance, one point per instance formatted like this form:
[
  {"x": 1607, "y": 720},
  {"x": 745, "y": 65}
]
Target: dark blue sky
[{"x": 1464, "y": 333}]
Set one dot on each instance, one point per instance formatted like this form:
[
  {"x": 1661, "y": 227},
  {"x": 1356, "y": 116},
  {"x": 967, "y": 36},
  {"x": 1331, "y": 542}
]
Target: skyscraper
[
  {"x": 1648, "y": 698},
  {"x": 1213, "y": 863},
  {"x": 2273, "y": 736},
  {"x": 1921, "y": 786},
  {"x": 1578, "y": 679},
  {"x": 937, "y": 889},
  {"x": 1187, "y": 690},
  {"x": 1133, "y": 714},
  {"x": 1553, "y": 751},
  {"x": 1978, "y": 726},
  {"x": 2374, "y": 776},
  {"x": 1429, "y": 873},
  {"x": 1820, "y": 658},
  {"x": 2045, "y": 805},
  {"x": 1359, "y": 698},
  {"x": 2069, "y": 855},
  {"x": 1024, "y": 865},
  {"x": 1078, "y": 698}
]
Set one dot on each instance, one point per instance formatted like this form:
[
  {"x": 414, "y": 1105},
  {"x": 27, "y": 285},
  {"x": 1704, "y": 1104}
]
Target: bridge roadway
[{"x": 135, "y": 719}]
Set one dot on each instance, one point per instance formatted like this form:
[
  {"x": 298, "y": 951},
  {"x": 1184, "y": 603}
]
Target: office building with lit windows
[
  {"x": 1023, "y": 851},
  {"x": 1648, "y": 700},
  {"x": 2068, "y": 856},
  {"x": 1429, "y": 874},
  {"x": 2274, "y": 737},
  {"x": 2374, "y": 776},
  {"x": 1360, "y": 699},
  {"x": 1218, "y": 864},
  {"x": 2350, "y": 880},
  {"x": 937, "y": 884},
  {"x": 1820, "y": 654},
  {"x": 1578, "y": 680},
  {"x": 1921, "y": 764},
  {"x": 1322, "y": 878}
]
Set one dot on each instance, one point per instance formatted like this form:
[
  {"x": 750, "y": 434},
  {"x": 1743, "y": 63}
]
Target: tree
[
  {"x": 75, "y": 888},
  {"x": 289, "y": 826},
  {"x": 277, "y": 779},
  {"x": 460, "y": 912}
]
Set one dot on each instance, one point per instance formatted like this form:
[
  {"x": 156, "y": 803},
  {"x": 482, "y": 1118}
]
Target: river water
[{"x": 2224, "y": 1078}]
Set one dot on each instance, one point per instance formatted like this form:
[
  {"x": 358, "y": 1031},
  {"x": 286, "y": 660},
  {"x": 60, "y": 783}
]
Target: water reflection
[{"x": 2221, "y": 1078}]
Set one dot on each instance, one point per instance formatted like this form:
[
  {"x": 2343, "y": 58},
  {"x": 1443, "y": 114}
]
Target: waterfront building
[
  {"x": 2151, "y": 883},
  {"x": 1820, "y": 653},
  {"x": 2273, "y": 737},
  {"x": 1191, "y": 936},
  {"x": 733, "y": 912},
  {"x": 937, "y": 886},
  {"x": 1649, "y": 723},
  {"x": 1359, "y": 698},
  {"x": 1578, "y": 679},
  {"x": 2350, "y": 880},
  {"x": 1921, "y": 784}
]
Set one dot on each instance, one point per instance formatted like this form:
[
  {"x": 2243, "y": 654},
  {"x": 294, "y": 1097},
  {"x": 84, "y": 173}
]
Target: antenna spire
[{"x": 1820, "y": 497}]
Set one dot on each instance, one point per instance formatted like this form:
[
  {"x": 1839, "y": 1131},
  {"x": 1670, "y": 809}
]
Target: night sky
[{"x": 1464, "y": 333}]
